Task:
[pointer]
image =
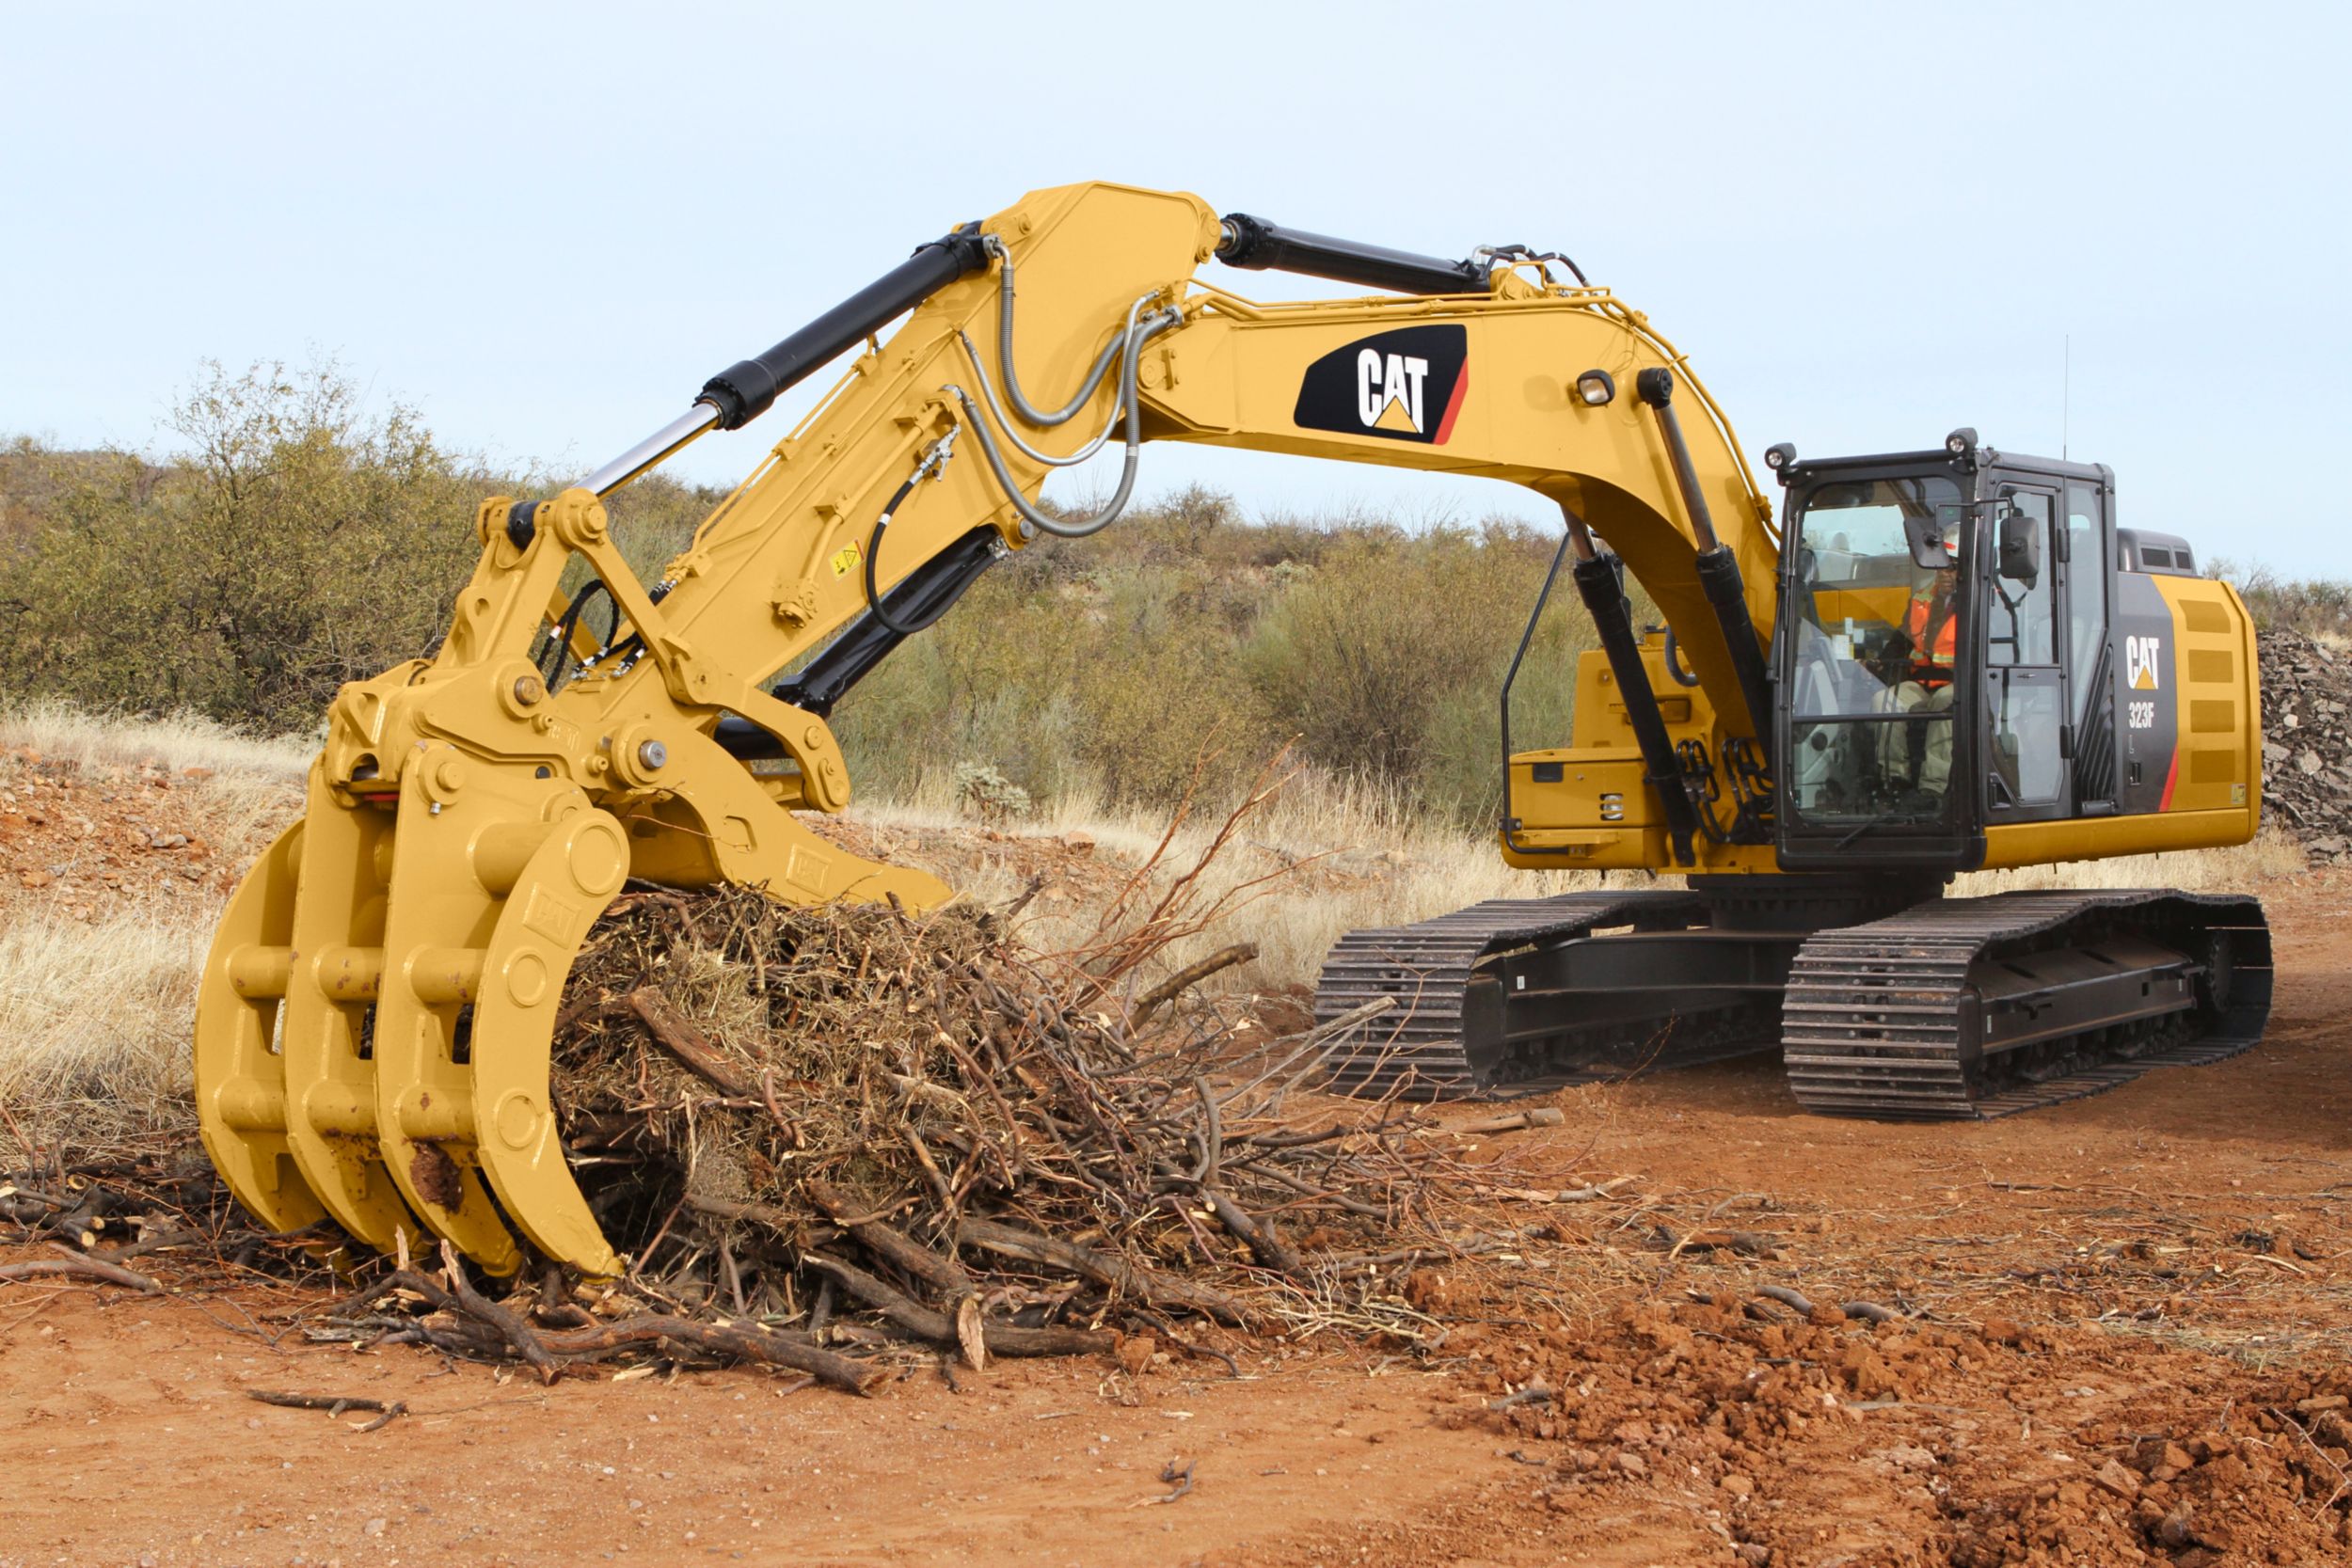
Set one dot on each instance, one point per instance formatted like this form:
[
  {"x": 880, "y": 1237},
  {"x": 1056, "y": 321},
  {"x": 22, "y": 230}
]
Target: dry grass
[
  {"x": 61, "y": 732},
  {"x": 2271, "y": 856},
  {"x": 1338, "y": 857},
  {"x": 96, "y": 1012},
  {"x": 1357, "y": 858},
  {"x": 94, "y": 1024}
]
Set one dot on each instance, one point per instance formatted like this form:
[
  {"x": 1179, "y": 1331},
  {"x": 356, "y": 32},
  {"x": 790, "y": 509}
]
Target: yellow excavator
[{"x": 1918, "y": 664}]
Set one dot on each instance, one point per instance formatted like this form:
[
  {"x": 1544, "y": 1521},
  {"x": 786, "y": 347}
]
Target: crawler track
[
  {"x": 1449, "y": 1036},
  {"x": 1906, "y": 1017}
]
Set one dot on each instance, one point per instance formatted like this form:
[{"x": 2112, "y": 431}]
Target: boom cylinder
[
  {"x": 1257, "y": 245},
  {"x": 1600, "y": 581},
  {"x": 1717, "y": 568}
]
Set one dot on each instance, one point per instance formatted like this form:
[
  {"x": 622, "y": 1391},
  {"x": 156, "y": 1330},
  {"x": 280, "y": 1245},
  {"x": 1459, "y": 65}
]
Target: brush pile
[
  {"x": 835, "y": 1139},
  {"x": 778, "y": 1112}
]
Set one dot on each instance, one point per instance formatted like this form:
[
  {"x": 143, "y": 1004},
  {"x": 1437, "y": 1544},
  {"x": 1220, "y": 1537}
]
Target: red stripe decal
[
  {"x": 1452, "y": 407},
  {"x": 2171, "y": 777}
]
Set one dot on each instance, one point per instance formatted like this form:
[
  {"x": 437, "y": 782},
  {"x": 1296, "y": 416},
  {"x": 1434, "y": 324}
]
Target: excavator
[{"x": 1915, "y": 665}]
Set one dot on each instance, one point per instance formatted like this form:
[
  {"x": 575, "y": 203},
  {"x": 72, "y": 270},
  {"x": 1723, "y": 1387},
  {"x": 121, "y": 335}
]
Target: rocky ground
[{"x": 2306, "y": 743}]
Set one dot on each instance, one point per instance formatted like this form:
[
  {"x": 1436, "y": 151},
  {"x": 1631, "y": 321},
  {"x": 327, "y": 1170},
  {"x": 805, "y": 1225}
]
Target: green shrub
[
  {"x": 2314, "y": 607},
  {"x": 1386, "y": 659},
  {"x": 299, "y": 544}
]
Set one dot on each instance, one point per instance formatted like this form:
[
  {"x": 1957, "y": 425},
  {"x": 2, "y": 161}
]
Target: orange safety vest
[{"x": 1924, "y": 611}]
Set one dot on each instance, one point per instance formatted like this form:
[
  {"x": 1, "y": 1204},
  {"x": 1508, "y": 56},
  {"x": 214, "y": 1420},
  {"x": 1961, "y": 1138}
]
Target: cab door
[
  {"x": 2023, "y": 684},
  {"x": 2085, "y": 576}
]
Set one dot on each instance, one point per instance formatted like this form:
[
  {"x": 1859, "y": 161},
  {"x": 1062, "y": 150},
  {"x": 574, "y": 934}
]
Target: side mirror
[
  {"x": 2021, "y": 549},
  {"x": 1926, "y": 538}
]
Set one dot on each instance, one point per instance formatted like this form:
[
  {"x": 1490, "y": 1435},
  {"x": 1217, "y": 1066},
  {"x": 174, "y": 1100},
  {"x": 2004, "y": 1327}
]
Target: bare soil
[{"x": 2120, "y": 1337}]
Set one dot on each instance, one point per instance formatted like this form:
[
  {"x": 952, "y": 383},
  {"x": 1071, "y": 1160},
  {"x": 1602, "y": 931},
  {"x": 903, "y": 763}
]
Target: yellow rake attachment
[
  {"x": 374, "y": 1023},
  {"x": 376, "y": 1018}
]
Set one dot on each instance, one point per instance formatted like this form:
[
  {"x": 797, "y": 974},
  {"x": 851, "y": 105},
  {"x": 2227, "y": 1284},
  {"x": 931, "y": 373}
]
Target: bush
[
  {"x": 2314, "y": 607},
  {"x": 1387, "y": 659},
  {"x": 300, "y": 544}
]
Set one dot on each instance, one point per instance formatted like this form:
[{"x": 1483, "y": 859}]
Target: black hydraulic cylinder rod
[
  {"x": 1600, "y": 580},
  {"x": 927, "y": 594},
  {"x": 1262, "y": 246},
  {"x": 1718, "y": 569},
  {"x": 744, "y": 390}
]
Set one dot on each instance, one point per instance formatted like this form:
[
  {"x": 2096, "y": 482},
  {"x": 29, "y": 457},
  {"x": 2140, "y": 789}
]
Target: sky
[{"x": 2115, "y": 228}]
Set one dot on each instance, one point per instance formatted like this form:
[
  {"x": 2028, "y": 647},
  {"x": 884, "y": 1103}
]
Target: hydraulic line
[
  {"x": 933, "y": 465},
  {"x": 1140, "y": 332},
  {"x": 988, "y": 394},
  {"x": 560, "y": 639},
  {"x": 1004, "y": 352}
]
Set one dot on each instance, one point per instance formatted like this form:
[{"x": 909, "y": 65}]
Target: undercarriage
[{"x": 1884, "y": 999}]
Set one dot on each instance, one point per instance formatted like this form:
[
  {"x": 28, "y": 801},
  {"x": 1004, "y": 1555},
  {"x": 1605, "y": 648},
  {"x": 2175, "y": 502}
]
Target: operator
[
  {"x": 1917, "y": 758},
  {"x": 1932, "y": 625}
]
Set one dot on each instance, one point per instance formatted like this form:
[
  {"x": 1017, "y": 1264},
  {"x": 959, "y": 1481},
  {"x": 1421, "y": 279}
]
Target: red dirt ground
[{"x": 2129, "y": 1347}]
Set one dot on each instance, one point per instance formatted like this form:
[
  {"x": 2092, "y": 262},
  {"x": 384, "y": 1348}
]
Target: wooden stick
[
  {"x": 518, "y": 1333},
  {"x": 783, "y": 1220},
  {"x": 945, "y": 1274},
  {"x": 689, "y": 1044},
  {"x": 1103, "y": 1268},
  {"x": 334, "y": 1404},
  {"x": 79, "y": 1267},
  {"x": 1265, "y": 1242},
  {"x": 739, "y": 1340},
  {"x": 1540, "y": 1116},
  {"x": 1191, "y": 975},
  {"x": 926, "y": 1324}
]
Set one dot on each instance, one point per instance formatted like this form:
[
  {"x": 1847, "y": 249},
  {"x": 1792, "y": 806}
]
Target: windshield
[{"x": 1874, "y": 641}]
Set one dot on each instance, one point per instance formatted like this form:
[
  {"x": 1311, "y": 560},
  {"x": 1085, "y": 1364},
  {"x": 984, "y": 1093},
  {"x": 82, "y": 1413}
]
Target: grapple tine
[
  {"x": 437, "y": 925},
  {"x": 239, "y": 1077},
  {"x": 563, "y": 888},
  {"x": 331, "y": 999}
]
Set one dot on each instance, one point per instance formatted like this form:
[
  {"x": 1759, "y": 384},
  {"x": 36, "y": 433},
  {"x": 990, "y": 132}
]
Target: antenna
[{"x": 2066, "y": 397}]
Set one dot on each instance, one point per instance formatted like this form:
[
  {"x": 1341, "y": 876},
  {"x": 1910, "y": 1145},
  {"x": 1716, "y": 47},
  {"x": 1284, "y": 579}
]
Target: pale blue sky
[{"x": 545, "y": 225}]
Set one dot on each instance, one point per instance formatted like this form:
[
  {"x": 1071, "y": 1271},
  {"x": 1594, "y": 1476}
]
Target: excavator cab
[{"x": 1944, "y": 656}]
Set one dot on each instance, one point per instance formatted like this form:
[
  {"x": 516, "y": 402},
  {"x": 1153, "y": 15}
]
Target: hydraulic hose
[
  {"x": 988, "y": 395},
  {"x": 1138, "y": 333},
  {"x": 1004, "y": 352},
  {"x": 934, "y": 461},
  {"x": 873, "y": 548}
]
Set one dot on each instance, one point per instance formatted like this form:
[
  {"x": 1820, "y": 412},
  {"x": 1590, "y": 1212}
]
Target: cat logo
[
  {"x": 2140, "y": 655},
  {"x": 1403, "y": 386},
  {"x": 1389, "y": 388}
]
